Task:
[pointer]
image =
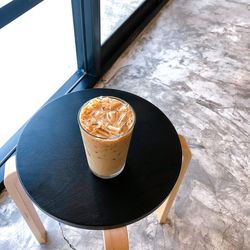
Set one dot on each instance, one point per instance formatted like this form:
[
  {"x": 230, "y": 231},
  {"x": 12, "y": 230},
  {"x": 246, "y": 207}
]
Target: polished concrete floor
[{"x": 192, "y": 62}]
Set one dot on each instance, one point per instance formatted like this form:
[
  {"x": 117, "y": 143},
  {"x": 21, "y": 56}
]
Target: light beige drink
[{"x": 106, "y": 125}]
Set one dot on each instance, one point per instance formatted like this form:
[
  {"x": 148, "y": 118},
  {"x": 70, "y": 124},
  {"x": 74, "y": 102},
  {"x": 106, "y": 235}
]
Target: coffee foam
[{"x": 107, "y": 117}]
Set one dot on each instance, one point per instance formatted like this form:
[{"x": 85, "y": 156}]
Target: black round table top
[{"x": 53, "y": 170}]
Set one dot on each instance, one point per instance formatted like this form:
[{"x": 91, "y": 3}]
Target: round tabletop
[{"x": 53, "y": 169}]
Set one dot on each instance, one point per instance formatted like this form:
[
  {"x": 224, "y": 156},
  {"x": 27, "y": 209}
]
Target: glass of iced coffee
[{"x": 106, "y": 124}]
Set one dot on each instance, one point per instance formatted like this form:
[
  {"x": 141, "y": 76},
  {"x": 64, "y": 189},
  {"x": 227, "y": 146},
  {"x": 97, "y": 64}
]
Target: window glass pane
[
  {"x": 4, "y": 2},
  {"x": 114, "y": 13},
  {"x": 37, "y": 55}
]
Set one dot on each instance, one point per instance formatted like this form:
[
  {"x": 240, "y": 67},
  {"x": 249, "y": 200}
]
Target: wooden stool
[
  {"x": 163, "y": 210},
  {"x": 23, "y": 202},
  {"x": 115, "y": 239}
]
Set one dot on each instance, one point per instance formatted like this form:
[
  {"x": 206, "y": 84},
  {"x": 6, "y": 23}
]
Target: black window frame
[{"x": 93, "y": 59}]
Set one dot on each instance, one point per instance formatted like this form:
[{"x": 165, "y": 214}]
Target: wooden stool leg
[
  {"x": 116, "y": 239},
  {"x": 163, "y": 210},
  {"x": 23, "y": 202}
]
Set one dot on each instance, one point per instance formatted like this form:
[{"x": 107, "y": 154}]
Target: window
[
  {"x": 114, "y": 13},
  {"x": 95, "y": 51},
  {"x": 39, "y": 55}
]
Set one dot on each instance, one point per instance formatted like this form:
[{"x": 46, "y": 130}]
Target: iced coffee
[{"x": 106, "y": 125}]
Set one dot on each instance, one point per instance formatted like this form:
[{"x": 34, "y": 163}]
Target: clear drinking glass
[{"x": 106, "y": 156}]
